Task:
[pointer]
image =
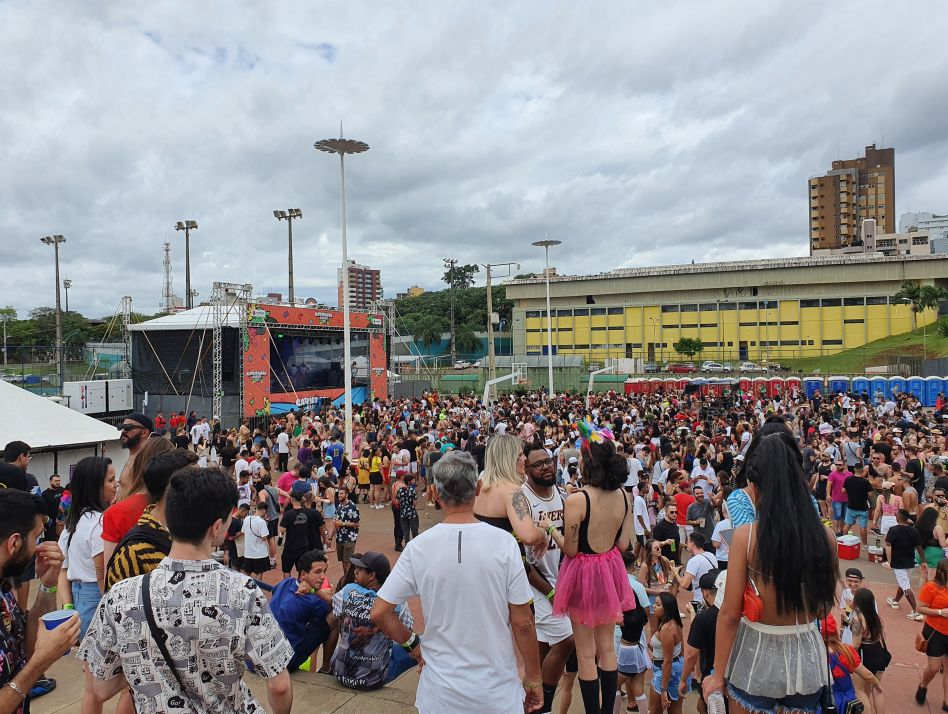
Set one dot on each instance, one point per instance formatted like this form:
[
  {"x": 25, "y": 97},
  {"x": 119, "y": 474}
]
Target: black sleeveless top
[{"x": 584, "y": 546}]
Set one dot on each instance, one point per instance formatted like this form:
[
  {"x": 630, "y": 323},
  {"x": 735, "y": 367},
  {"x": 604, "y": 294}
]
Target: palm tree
[
  {"x": 943, "y": 327},
  {"x": 910, "y": 292},
  {"x": 428, "y": 330},
  {"x": 466, "y": 341}
]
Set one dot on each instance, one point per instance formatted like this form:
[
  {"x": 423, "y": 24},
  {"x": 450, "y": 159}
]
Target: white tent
[{"x": 57, "y": 435}]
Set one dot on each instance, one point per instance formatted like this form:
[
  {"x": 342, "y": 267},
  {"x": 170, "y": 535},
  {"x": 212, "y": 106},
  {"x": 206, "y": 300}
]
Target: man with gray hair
[{"x": 476, "y": 599}]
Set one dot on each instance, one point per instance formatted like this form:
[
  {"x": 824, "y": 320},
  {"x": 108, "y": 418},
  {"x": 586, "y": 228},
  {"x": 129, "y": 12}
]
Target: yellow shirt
[
  {"x": 376, "y": 464},
  {"x": 363, "y": 477}
]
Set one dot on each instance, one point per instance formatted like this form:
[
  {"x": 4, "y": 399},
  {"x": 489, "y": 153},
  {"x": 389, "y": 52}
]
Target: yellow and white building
[{"x": 756, "y": 310}]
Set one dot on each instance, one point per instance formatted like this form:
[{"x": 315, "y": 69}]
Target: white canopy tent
[{"x": 57, "y": 435}]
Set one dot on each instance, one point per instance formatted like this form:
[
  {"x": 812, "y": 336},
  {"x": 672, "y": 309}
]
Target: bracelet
[
  {"x": 51, "y": 590},
  {"x": 69, "y": 606},
  {"x": 549, "y": 595},
  {"x": 16, "y": 688},
  {"x": 549, "y": 531},
  {"x": 532, "y": 685}
]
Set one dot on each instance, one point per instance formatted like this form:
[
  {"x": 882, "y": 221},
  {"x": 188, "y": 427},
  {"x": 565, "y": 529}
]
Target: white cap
[{"x": 572, "y": 460}]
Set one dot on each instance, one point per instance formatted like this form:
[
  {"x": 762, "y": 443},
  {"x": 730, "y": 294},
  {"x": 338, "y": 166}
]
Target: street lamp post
[
  {"x": 67, "y": 283},
  {"x": 55, "y": 241},
  {"x": 187, "y": 227},
  {"x": 342, "y": 147},
  {"x": 546, "y": 245},
  {"x": 288, "y": 216}
]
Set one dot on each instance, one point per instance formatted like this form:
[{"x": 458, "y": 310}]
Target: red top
[
  {"x": 121, "y": 517},
  {"x": 683, "y": 500}
]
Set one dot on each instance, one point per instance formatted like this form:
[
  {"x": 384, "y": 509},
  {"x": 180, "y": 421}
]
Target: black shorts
[
  {"x": 937, "y": 642},
  {"x": 375, "y": 478},
  {"x": 272, "y": 527},
  {"x": 290, "y": 558},
  {"x": 641, "y": 539},
  {"x": 256, "y": 566},
  {"x": 572, "y": 664}
]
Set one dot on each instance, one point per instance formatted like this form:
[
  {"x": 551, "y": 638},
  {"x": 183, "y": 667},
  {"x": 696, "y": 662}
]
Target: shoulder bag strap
[{"x": 161, "y": 637}]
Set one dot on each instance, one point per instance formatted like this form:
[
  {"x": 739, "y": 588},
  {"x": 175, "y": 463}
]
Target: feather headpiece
[{"x": 589, "y": 432}]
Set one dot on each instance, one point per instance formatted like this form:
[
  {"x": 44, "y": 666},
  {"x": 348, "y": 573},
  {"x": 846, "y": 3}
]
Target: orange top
[{"x": 936, "y": 598}]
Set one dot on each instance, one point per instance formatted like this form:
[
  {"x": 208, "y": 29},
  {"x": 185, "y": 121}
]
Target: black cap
[
  {"x": 142, "y": 420},
  {"x": 708, "y": 580},
  {"x": 375, "y": 562},
  {"x": 854, "y": 573}
]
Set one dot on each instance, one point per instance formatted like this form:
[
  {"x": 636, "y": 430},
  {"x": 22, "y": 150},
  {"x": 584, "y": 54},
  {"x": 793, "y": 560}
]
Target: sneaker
[
  {"x": 917, "y": 616},
  {"x": 398, "y": 549},
  {"x": 892, "y": 603},
  {"x": 43, "y": 685}
]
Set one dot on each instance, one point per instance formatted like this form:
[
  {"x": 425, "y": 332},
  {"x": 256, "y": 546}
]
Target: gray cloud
[{"x": 636, "y": 133}]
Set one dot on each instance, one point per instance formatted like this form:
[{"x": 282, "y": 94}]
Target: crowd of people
[{"x": 654, "y": 547}]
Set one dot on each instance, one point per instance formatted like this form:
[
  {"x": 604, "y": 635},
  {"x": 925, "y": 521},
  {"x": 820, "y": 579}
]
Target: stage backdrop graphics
[{"x": 261, "y": 396}]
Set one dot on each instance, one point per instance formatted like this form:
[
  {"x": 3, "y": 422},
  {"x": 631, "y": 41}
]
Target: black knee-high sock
[
  {"x": 610, "y": 682},
  {"x": 589, "y": 688},
  {"x": 548, "y": 693}
]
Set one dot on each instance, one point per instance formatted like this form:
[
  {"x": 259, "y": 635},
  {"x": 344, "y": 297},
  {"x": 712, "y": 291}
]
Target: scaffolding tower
[
  {"x": 224, "y": 298},
  {"x": 126, "y": 337}
]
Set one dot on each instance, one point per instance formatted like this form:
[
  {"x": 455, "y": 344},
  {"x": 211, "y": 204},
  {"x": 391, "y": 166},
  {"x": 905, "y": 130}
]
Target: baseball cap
[
  {"x": 708, "y": 581},
  {"x": 375, "y": 562},
  {"x": 572, "y": 460},
  {"x": 854, "y": 573}
]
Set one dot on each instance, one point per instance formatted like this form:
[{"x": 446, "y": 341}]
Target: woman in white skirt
[{"x": 887, "y": 506}]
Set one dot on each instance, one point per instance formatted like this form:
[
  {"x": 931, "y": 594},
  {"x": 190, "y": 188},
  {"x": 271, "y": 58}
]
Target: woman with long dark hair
[
  {"x": 593, "y": 587},
  {"x": 667, "y": 662},
  {"x": 932, "y": 536},
  {"x": 782, "y": 574},
  {"x": 82, "y": 580},
  {"x": 869, "y": 641}
]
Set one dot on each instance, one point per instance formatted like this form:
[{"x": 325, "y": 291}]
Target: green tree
[
  {"x": 460, "y": 276},
  {"x": 688, "y": 347},
  {"x": 943, "y": 327},
  {"x": 467, "y": 342},
  {"x": 428, "y": 330},
  {"x": 921, "y": 297}
]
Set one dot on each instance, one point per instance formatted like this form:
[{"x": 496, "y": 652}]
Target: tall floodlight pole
[
  {"x": 342, "y": 147},
  {"x": 490, "y": 315},
  {"x": 187, "y": 227},
  {"x": 546, "y": 245},
  {"x": 60, "y": 353},
  {"x": 288, "y": 216},
  {"x": 67, "y": 283}
]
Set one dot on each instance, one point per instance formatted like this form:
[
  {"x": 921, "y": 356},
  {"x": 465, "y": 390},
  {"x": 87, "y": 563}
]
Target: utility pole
[
  {"x": 451, "y": 264},
  {"x": 288, "y": 216},
  {"x": 5, "y": 317},
  {"x": 55, "y": 241},
  {"x": 187, "y": 227},
  {"x": 491, "y": 368}
]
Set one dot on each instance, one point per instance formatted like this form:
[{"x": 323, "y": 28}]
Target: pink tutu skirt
[{"x": 593, "y": 589}]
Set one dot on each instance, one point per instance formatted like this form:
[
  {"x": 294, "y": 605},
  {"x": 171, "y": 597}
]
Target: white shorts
[
  {"x": 550, "y": 628},
  {"x": 902, "y": 578},
  {"x": 413, "y": 467}
]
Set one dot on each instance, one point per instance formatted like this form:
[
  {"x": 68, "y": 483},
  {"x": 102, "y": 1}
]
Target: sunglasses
[{"x": 129, "y": 427}]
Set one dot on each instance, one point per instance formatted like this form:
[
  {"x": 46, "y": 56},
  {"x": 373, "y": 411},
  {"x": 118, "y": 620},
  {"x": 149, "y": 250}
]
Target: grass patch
[{"x": 875, "y": 354}]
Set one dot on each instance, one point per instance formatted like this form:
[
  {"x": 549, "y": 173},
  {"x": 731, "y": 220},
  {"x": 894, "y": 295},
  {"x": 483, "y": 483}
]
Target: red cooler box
[{"x": 848, "y": 547}]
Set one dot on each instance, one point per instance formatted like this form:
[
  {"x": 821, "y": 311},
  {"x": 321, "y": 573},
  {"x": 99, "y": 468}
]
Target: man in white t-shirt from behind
[
  {"x": 640, "y": 518},
  {"x": 476, "y": 600},
  {"x": 698, "y": 564}
]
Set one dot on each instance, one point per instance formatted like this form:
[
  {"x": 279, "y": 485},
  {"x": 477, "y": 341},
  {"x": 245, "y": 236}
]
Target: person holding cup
[{"x": 30, "y": 649}]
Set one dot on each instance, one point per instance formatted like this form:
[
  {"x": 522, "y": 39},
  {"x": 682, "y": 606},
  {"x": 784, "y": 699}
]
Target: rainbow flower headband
[{"x": 591, "y": 433}]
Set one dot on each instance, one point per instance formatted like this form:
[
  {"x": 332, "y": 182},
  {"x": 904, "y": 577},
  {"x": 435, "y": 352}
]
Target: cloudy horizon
[{"x": 638, "y": 134}]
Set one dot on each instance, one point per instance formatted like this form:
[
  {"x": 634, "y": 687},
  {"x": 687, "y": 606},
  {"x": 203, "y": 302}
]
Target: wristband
[
  {"x": 549, "y": 531},
  {"x": 51, "y": 590},
  {"x": 69, "y": 606},
  {"x": 532, "y": 685},
  {"x": 412, "y": 642},
  {"x": 549, "y": 595}
]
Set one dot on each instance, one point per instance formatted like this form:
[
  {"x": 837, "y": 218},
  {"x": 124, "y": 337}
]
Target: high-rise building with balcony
[
  {"x": 852, "y": 191},
  {"x": 365, "y": 286}
]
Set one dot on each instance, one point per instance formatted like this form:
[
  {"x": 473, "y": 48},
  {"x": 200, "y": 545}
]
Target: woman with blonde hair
[
  {"x": 500, "y": 502},
  {"x": 132, "y": 498}
]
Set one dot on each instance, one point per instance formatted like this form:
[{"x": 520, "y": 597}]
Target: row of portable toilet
[
  {"x": 768, "y": 386},
  {"x": 925, "y": 389}
]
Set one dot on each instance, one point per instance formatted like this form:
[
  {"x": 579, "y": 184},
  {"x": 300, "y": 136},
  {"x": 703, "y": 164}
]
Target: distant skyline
[{"x": 638, "y": 134}]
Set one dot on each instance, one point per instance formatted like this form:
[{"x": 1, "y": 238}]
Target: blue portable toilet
[
  {"x": 861, "y": 387},
  {"x": 895, "y": 387},
  {"x": 878, "y": 388},
  {"x": 811, "y": 385},
  {"x": 916, "y": 385},
  {"x": 933, "y": 385},
  {"x": 838, "y": 385}
]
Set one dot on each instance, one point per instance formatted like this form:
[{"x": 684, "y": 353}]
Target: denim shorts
[
  {"x": 860, "y": 518},
  {"x": 803, "y": 703},
  {"x": 85, "y": 598},
  {"x": 673, "y": 681},
  {"x": 839, "y": 510}
]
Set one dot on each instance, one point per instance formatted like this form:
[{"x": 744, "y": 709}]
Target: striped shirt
[{"x": 137, "y": 555}]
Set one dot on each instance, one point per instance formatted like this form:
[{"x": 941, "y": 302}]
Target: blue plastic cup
[{"x": 52, "y": 620}]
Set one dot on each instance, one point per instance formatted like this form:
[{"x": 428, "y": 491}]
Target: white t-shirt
[
  {"x": 196, "y": 433},
  {"x": 255, "y": 534},
  {"x": 703, "y": 476},
  {"x": 639, "y": 509},
  {"x": 466, "y": 575},
  {"x": 635, "y": 468},
  {"x": 283, "y": 442},
  {"x": 698, "y": 565},
  {"x": 86, "y": 543},
  {"x": 723, "y": 548},
  {"x": 241, "y": 465}
]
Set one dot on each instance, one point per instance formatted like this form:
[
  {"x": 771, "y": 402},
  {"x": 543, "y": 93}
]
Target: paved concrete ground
[{"x": 315, "y": 693}]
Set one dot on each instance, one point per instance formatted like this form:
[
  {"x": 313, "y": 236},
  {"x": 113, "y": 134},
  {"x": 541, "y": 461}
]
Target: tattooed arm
[
  {"x": 521, "y": 518},
  {"x": 573, "y": 513}
]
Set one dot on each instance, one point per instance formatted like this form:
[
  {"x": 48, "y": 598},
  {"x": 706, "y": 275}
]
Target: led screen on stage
[{"x": 302, "y": 362}]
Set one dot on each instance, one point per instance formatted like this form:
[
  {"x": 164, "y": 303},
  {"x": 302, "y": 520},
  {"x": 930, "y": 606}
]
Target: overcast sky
[{"x": 638, "y": 133}]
